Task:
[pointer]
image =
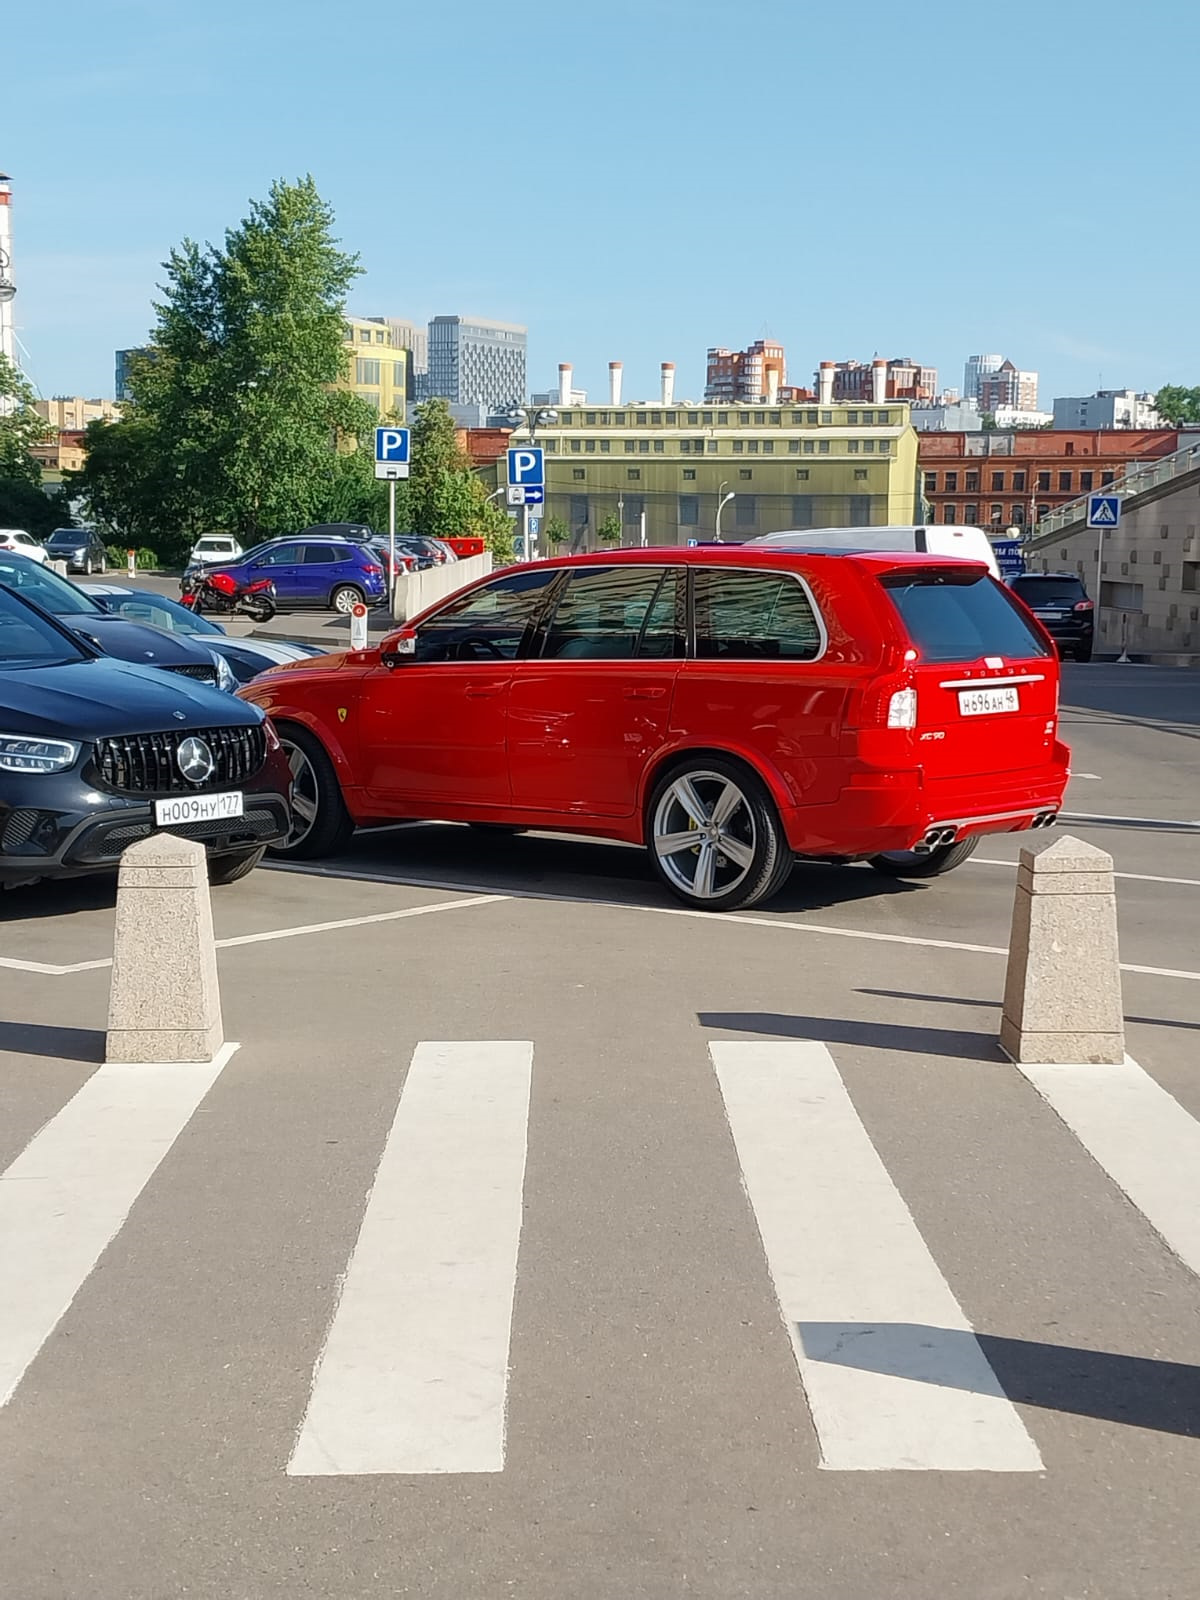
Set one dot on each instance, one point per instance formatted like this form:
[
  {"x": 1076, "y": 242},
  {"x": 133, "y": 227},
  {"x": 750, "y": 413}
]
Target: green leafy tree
[
  {"x": 557, "y": 532},
  {"x": 23, "y": 502},
  {"x": 236, "y": 420},
  {"x": 444, "y": 497},
  {"x": 609, "y": 531},
  {"x": 1176, "y": 404}
]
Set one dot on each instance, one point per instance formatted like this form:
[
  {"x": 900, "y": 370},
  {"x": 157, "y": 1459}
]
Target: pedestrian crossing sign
[{"x": 1104, "y": 511}]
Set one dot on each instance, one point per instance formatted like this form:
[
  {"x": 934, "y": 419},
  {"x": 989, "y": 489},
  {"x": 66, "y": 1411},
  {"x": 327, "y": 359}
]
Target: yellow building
[
  {"x": 375, "y": 368},
  {"x": 71, "y": 414},
  {"x": 786, "y": 466}
]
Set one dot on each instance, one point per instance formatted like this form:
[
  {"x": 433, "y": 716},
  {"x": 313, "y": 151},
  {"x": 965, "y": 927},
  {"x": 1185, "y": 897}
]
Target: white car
[
  {"x": 23, "y": 543},
  {"x": 214, "y": 549}
]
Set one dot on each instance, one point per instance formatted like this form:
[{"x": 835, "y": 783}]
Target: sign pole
[
  {"x": 525, "y": 535},
  {"x": 392, "y": 545}
]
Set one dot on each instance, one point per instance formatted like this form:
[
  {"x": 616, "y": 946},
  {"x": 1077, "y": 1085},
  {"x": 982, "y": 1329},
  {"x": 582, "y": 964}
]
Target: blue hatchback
[{"x": 327, "y": 574}]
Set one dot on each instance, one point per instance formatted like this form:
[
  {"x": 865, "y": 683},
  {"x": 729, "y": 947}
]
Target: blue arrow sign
[
  {"x": 391, "y": 446},
  {"x": 1104, "y": 511}
]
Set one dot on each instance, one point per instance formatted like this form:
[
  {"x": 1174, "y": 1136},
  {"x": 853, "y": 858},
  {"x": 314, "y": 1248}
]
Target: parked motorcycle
[{"x": 218, "y": 592}]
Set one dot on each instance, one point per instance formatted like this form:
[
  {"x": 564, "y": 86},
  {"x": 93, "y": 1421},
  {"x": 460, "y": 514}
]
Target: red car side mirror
[{"x": 398, "y": 647}]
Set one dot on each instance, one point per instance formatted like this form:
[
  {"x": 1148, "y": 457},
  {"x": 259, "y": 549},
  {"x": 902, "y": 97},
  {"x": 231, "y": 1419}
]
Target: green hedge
[{"x": 118, "y": 557}]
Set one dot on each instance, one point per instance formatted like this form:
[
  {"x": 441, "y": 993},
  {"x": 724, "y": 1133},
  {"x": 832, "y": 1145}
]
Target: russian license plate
[
  {"x": 987, "y": 702},
  {"x": 196, "y": 808}
]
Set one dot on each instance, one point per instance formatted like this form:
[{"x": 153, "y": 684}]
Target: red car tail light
[{"x": 1086, "y": 605}]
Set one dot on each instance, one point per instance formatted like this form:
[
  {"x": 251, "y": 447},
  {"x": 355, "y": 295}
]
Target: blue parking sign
[
  {"x": 527, "y": 467},
  {"x": 391, "y": 446}
]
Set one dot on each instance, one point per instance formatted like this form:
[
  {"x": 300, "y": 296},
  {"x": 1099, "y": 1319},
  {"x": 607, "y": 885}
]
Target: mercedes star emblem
[{"x": 195, "y": 760}]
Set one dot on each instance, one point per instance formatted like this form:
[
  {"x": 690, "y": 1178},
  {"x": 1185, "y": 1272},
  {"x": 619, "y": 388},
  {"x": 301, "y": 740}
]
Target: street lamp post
[
  {"x": 722, "y": 501},
  {"x": 532, "y": 418}
]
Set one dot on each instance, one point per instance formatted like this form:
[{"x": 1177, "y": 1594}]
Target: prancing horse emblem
[{"x": 342, "y": 713}]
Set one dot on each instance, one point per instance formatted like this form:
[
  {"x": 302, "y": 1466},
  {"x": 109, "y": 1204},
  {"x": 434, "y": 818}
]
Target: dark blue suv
[{"x": 328, "y": 574}]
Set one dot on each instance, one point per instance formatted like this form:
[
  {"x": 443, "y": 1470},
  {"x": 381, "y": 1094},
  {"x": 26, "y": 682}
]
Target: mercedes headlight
[
  {"x": 21, "y": 754},
  {"x": 225, "y": 677}
]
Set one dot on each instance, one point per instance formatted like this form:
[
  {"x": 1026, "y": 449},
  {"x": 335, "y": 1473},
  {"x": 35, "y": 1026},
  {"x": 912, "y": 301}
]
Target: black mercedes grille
[
  {"x": 196, "y": 669},
  {"x": 146, "y": 763}
]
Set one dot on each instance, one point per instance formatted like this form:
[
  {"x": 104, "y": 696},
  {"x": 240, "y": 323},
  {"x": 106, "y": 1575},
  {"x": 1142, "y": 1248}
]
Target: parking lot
[{"x": 203, "y": 1420}]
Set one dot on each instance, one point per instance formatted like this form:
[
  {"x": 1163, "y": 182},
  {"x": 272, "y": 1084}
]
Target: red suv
[{"x": 731, "y": 709}]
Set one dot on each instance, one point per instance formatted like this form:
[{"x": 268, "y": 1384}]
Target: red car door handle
[
  {"x": 484, "y": 691},
  {"x": 644, "y": 694}
]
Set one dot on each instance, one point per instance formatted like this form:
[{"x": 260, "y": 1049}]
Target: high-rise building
[
  {"x": 900, "y": 378},
  {"x": 414, "y": 338},
  {"x": 978, "y": 367},
  {"x": 1007, "y": 388},
  {"x": 755, "y": 374},
  {"x": 1107, "y": 408},
  {"x": 124, "y": 366},
  {"x": 473, "y": 361}
]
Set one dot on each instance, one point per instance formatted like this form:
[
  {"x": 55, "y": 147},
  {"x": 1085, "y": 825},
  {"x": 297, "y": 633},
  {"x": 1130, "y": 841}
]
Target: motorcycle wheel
[{"x": 260, "y": 610}]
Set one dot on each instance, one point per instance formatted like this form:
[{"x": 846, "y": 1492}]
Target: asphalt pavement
[{"x": 543, "y": 1238}]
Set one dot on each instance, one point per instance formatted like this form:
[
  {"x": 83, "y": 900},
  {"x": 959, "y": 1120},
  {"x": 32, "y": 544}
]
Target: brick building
[
  {"x": 757, "y": 374},
  {"x": 1003, "y": 480},
  {"x": 902, "y": 378}
]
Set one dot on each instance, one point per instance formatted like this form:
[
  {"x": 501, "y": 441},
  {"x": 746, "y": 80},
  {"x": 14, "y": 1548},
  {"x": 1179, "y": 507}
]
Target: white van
[{"x": 941, "y": 540}]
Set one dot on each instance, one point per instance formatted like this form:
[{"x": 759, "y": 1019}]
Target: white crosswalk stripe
[
  {"x": 413, "y": 1376},
  {"x": 893, "y": 1372}
]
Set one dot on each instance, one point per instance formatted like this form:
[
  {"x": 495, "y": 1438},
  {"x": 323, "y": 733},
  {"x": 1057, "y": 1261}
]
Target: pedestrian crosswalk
[{"x": 414, "y": 1374}]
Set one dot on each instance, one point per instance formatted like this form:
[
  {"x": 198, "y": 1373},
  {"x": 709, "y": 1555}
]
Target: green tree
[
  {"x": 236, "y": 421},
  {"x": 557, "y": 533},
  {"x": 23, "y": 503},
  {"x": 1176, "y": 404},
  {"x": 609, "y": 531},
  {"x": 444, "y": 497}
]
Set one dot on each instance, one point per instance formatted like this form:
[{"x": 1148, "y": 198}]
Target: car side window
[
  {"x": 320, "y": 555},
  {"x": 284, "y": 555},
  {"x": 603, "y": 615},
  {"x": 753, "y": 616},
  {"x": 488, "y": 624}
]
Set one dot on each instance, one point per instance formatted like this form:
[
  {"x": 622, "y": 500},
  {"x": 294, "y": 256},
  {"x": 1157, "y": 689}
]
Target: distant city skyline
[{"x": 834, "y": 246}]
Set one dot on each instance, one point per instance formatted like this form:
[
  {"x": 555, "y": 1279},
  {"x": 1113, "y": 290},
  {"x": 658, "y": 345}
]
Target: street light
[
  {"x": 721, "y": 504},
  {"x": 531, "y": 417}
]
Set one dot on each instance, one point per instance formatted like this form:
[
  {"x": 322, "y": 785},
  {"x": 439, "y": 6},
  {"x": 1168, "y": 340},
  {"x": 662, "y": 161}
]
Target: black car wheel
[
  {"x": 345, "y": 597},
  {"x": 908, "y": 864},
  {"x": 320, "y": 822},
  {"x": 87, "y": 566},
  {"x": 715, "y": 837},
  {"x": 234, "y": 864}
]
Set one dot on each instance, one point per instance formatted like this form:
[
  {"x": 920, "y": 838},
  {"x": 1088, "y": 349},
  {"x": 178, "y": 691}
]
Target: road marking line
[
  {"x": 1135, "y": 877},
  {"x": 65, "y": 1197},
  {"x": 1119, "y": 822},
  {"x": 895, "y": 1378},
  {"x": 413, "y": 1377},
  {"x": 358, "y": 922},
  {"x": 1140, "y": 1135},
  {"x": 735, "y": 917},
  {"x": 275, "y": 933},
  {"x": 1093, "y": 776}
]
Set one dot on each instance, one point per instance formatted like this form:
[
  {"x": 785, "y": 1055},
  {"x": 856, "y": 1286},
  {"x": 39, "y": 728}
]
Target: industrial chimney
[
  {"x": 825, "y": 383},
  {"x": 668, "y": 383},
  {"x": 772, "y": 386},
  {"x": 879, "y": 380},
  {"x": 7, "y": 287},
  {"x": 564, "y": 383},
  {"x": 614, "y": 383}
]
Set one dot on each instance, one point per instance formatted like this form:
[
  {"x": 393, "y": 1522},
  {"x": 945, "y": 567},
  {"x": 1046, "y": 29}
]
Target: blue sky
[{"x": 635, "y": 179}]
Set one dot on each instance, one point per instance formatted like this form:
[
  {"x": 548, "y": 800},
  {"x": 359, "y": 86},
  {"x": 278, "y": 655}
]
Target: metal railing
[{"x": 1135, "y": 481}]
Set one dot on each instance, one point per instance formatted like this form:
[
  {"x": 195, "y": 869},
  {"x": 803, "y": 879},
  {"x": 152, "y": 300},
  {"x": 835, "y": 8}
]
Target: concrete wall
[
  {"x": 1149, "y": 599},
  {"x": 421, "y": 589}
]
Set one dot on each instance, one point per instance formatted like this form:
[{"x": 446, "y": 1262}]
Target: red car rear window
[{"x": 961, "y": 617}]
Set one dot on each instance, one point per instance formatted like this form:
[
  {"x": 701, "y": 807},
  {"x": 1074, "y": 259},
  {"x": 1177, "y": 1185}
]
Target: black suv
[
  {"x": 1060, "y": 603},
  {"x": 82, "y": 549}
]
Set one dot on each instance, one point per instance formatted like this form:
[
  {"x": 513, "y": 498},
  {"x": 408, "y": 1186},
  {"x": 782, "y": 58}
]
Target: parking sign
[
  {"x": 392, "y": 452},
  {"x": 527, "y": 467}
]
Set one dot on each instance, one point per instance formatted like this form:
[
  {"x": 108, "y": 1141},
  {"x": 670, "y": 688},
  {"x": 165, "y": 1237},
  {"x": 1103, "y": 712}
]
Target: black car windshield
[
  {"x": 1049, "y": 590},
  {"x": 27, "y": 639},
  {"x": 68, "y": 538},
  {"x": 157, "y": 610},
  {"x": 45, "y": 588},
  {"x": 952, "y": 616}
]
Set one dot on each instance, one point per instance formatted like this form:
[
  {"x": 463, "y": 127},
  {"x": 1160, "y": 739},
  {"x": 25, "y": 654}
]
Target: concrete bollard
[
  {"x": 165, "y": 1004},
  {"x": 1062, "y": 997}
]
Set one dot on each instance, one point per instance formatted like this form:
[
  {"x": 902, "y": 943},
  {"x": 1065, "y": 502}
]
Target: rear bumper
[{"x": 879, "y": 812}]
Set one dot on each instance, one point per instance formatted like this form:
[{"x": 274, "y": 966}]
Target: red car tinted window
[
  {"x": 962, "y": 617},
  {"x": 486, "y": 624},
  {"x": 754, "y": 616},
  {"x": 613, "y": 614}
]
